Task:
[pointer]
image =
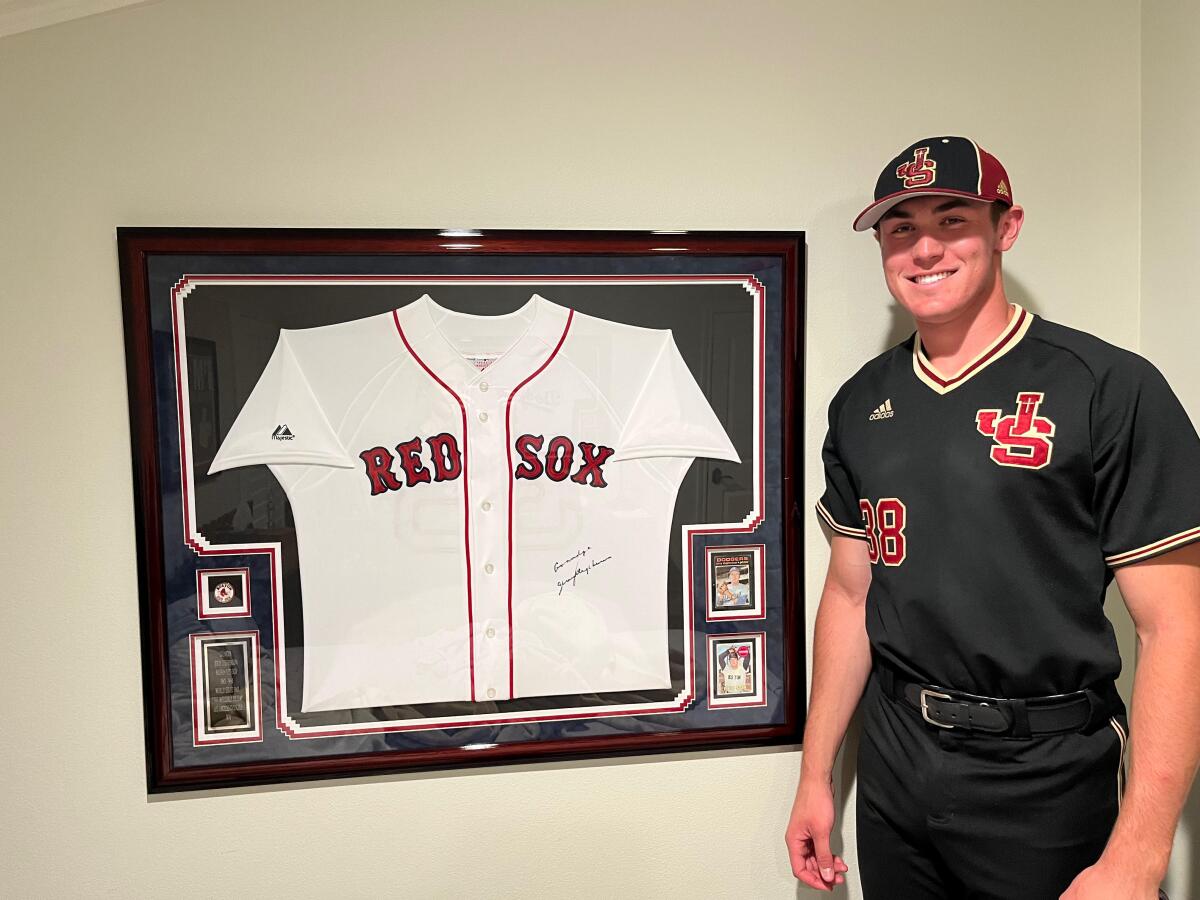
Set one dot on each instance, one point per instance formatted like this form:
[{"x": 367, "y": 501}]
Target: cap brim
[{"x": 873, "y": 213}]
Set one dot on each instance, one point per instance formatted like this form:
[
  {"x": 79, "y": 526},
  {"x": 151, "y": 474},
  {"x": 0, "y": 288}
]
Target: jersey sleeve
[
  {"x": 671, "y": 416},
  {"x": 838, "y": 506},
  {"x": 1146, "y": 458},
  {"x": 282, "y": 422}
]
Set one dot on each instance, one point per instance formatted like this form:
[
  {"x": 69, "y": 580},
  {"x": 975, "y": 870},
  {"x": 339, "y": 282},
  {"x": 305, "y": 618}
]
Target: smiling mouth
[{"x": 931, "y": 277}]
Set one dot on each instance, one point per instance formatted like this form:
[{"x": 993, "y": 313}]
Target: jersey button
[
  {"x": 485, "y": 505},
  {"x": 483, "y": 386},
  {"x": 483, "y": 417},
  {"x": 491, "y": 632},
  {"x": 491, "y": 693},
  {"x": 489, "y": 568}
]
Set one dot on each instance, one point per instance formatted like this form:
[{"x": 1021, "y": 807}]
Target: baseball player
[
  {"x": 986, "y": 479},
  {"x": 734, "y": 675},
  {"x": 733, "y": 592},
  {"x": 522, "y": 463}
]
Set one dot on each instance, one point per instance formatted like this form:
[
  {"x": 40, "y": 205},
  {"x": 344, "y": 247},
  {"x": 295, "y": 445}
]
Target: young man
[{"x": 985, "y": 481}]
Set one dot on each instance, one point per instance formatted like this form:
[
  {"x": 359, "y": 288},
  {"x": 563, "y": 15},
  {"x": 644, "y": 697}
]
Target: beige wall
[
  {"x": 1170, "y": 277},
  {"x": 734, "y": 115}
]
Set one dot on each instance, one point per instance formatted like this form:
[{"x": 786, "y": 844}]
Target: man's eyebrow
[
  {"x": 895, "y": 213},
  {"x": 952, "y": 203}
]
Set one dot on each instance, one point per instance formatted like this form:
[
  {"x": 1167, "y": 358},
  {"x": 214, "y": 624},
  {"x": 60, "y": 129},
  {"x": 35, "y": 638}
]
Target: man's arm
[
  {"x": 841, "y": 664},
  {"x": 1163, "y": 596}
]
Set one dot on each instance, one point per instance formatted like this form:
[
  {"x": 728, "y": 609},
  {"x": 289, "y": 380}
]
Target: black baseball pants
[{"x": 952, "y": 815}]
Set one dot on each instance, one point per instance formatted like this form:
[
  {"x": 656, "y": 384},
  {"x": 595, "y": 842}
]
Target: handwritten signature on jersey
[{"x": 583, "y": 566}]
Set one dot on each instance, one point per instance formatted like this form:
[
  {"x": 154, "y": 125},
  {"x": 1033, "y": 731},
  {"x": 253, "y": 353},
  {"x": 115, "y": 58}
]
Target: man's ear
[{"x": 1010, "y": 227}]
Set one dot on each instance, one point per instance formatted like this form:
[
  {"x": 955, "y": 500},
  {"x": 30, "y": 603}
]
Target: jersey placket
[{"x": 487, "y": 488}]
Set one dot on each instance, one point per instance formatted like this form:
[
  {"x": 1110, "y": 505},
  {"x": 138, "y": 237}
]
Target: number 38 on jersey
[{"x": 884, "y": 521}]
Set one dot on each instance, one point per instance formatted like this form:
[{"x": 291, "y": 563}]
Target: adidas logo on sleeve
[{"x": 883, "y": 411}]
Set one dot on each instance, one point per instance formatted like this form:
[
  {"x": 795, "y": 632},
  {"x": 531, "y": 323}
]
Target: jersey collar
[
  {"x": 440, "y": 338},
  {"x": 1008, "y": 338}
]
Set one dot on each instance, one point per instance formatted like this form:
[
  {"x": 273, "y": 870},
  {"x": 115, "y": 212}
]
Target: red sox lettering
[
  {"x": 444, "y": 456},
  {"x": 560, "y": 454},
  {"x": 445, "y": 461}
]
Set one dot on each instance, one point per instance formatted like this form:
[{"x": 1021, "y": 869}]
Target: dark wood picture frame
[{"x": 158, "y": 268}]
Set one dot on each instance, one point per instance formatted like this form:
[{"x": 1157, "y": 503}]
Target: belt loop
[
  {"x": 1098, "y": 708},
  {"x": 887, "y": 681},
  {"x": 1019, "y": 714}
]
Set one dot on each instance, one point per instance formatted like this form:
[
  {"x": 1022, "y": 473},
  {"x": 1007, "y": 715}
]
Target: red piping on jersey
[
  {"x": 508, "y": 450},
  {"x": 983, "y": 360},
  {"x": 1184, "y": 537},
  {"x": 466, "y": 497}
]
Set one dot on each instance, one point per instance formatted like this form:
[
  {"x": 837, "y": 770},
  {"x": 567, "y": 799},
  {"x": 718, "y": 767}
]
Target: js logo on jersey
[
  {"x": 1022, "y": 440},
  {"x": 920, "y": 172}
]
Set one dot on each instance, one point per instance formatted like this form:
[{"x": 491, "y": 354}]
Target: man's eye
[
  {"x": 953, "y": 220},
  {"x": 901, "y": 229}
]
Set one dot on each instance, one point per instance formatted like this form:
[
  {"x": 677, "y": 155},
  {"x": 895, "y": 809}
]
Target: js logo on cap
[{"x": 920, "y": 172}]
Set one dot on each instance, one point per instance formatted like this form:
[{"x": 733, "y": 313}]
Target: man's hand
[
  {"x": 808, "y": 838},
  {"x": 1105, "y": 881}
]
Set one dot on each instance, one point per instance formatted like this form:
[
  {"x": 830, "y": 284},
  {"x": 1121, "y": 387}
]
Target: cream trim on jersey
[
  {"x": 840, "y": 529},
  {"x": 1140, "y": 553},
  {"x": 1121, "y": 736},
  {"x": 1008, "y": 338}
]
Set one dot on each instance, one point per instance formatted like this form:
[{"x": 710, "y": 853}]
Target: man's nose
[{"x": 927, "y": 250}]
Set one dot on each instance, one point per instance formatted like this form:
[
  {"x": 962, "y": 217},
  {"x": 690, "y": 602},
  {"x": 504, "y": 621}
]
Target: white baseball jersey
[
  {"x": 483, "y": 500},
  {"x": 735, "y": 681}
]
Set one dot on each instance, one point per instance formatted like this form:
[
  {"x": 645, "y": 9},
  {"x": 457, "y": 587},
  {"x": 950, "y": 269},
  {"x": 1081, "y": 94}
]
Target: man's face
[
  {"x": 734, "y": 576},
  {"x": 941, "y": 255}
]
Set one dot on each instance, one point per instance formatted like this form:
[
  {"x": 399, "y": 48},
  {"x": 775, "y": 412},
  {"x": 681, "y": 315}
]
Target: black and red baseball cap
[{"x": 953, "y": 166}]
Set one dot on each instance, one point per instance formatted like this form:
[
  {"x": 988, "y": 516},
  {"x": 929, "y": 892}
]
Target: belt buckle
[{"x": 926, "y": 693}]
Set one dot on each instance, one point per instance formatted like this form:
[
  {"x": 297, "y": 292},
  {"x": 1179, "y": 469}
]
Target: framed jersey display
[{"x": 420, "y": 499}]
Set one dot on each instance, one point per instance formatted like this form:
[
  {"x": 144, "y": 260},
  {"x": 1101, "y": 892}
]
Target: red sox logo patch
[
  {"x": 920, "y": 172},
  {"x": 1022, "y": 440}
]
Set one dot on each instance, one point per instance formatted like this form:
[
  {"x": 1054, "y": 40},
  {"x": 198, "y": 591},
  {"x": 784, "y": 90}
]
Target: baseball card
[
  {"x": 736, "y": 663},
  {"x": 735, "y": 579}
]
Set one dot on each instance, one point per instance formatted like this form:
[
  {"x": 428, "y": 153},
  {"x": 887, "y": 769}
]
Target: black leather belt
[{"x": 1023, "y": 717}]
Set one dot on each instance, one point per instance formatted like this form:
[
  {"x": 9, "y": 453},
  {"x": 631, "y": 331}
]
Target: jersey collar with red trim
[
  {"x": 1016, "y": 328},
  {"x": 523, "y": 340}
]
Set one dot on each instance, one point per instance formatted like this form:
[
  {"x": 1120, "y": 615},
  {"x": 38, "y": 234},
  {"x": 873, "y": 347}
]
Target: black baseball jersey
[{"x": 997, "y": 502}]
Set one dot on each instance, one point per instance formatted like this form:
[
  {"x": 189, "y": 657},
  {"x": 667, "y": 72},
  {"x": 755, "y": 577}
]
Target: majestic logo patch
[
  {"x": 282, "y": 433},
  {"x": 884, "y": 411},
  {"x": 1002, "y": 188},
  {"x": 921, "y": 172},
  {"x": 1022, "y": 440}
]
